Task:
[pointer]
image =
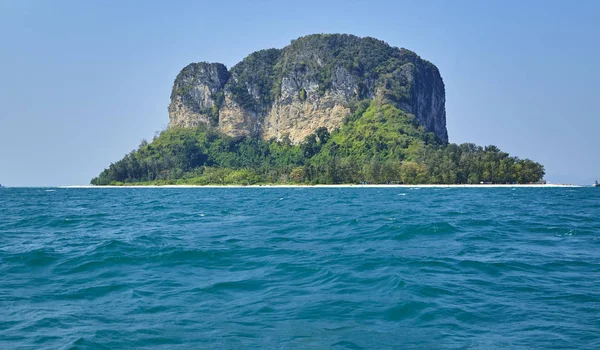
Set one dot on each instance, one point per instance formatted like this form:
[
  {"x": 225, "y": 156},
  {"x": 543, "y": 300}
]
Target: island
[{"x": 326, "y": 109}]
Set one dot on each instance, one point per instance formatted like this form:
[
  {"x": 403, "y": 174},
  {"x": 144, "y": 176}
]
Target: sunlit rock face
[{"x": 313, "y": 82}]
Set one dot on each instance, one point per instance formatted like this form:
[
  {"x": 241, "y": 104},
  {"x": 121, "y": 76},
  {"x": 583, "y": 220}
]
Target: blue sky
[{"x": 83, "y": 82}]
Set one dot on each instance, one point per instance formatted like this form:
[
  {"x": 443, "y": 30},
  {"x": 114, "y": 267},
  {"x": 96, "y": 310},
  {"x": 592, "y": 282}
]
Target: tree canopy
[{"x": 377, "y": 144}]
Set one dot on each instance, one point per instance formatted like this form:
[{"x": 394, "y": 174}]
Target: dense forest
[
  {"x": 374, "y": 61},
  {"x": 378, "y": 144}
]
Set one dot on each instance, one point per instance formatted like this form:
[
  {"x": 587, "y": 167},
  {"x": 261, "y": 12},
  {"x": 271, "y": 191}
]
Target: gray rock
[{"x": 313, "y": 82}]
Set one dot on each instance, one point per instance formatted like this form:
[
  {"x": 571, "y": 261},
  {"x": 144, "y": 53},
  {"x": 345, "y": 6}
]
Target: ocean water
[{"x": 311, "y": 268}]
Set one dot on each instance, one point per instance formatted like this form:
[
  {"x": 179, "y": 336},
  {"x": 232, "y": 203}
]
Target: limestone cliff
[{"x": 310, "y": 83}]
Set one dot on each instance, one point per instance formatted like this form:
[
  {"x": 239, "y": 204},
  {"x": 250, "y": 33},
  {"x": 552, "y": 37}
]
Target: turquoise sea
[{"x": 311, "y": 268}]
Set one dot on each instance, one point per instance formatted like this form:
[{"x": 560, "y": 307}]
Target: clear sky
[{"x": 83, "y": 82}]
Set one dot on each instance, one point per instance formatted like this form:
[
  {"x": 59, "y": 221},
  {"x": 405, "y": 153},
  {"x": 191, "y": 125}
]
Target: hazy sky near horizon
[{"x": 83, "y": 82}]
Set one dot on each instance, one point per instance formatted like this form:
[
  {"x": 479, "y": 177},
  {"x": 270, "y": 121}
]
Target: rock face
[
  {"x": 310, "y": 83},
  {"x": 196, "y": 94}
]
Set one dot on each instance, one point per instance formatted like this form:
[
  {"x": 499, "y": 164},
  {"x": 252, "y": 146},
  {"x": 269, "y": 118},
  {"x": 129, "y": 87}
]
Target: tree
[
  {"x": 323, "y": 135},
  {"x": 378, "y": 143},
  {"x": 413, "y": 173},
  {"x": 309, "y": 146},
  {"x": 297, "y": 174}
]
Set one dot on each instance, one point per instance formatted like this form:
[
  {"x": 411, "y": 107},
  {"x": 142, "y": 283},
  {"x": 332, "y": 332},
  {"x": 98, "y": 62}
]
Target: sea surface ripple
[{"x": 348, "y": 268}]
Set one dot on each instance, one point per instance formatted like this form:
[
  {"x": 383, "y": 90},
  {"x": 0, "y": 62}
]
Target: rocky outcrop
[
  {"x": 196, "y": 94},
  {"x": 313, "y": 82}
]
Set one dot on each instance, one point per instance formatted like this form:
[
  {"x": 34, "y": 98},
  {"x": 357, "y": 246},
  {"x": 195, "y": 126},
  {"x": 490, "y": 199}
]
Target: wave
[{"x": 291, "y": 267}]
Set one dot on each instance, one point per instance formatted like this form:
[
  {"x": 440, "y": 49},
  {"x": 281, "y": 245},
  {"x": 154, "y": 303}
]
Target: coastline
[{"x": 336, "y": 186}]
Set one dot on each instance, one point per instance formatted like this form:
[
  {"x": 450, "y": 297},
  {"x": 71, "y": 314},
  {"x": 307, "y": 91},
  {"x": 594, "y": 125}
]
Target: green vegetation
[
  {"x": 318, "y": 58},
  {"x": 376, "y": 144},
  {"x": 258, "y": 71}
]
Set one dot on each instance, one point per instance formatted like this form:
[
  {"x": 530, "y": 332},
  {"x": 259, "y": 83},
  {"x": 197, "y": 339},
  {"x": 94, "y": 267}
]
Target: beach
[{"x": 333, "y": 186}]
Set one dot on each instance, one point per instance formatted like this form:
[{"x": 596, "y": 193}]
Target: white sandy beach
[{"x": 332, "y": 186}]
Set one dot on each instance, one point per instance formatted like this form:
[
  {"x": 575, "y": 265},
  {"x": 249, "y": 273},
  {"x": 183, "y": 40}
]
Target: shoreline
[{"x": 335, "y": 186}]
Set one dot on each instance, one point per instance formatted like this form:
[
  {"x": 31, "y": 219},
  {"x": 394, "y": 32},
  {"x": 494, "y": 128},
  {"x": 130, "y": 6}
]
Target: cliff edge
[{"x": 313, "y": 82}]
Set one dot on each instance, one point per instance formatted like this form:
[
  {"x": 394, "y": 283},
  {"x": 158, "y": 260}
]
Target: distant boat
[{"x": 596, "y": 184}]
